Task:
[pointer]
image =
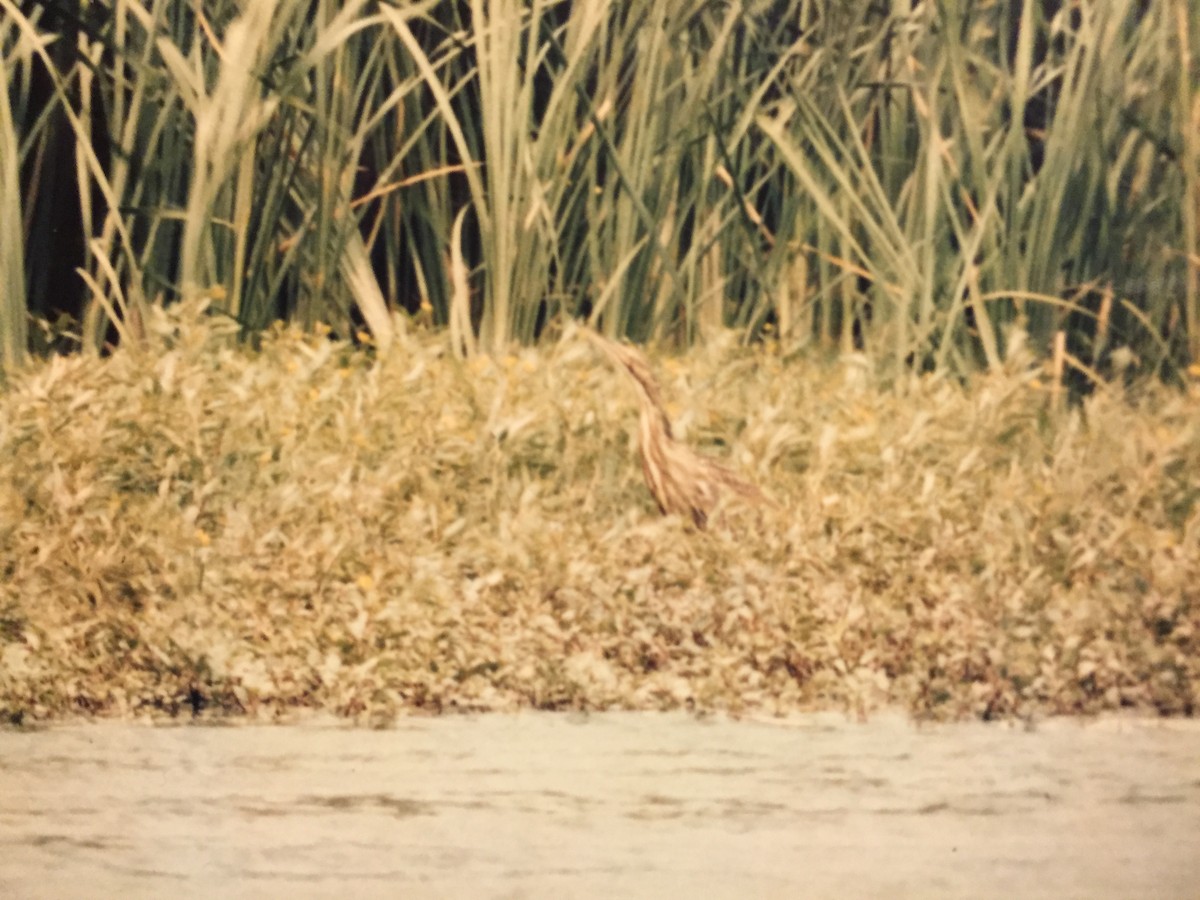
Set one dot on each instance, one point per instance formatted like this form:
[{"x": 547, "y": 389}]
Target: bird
[{"x": 681, "y": 481}]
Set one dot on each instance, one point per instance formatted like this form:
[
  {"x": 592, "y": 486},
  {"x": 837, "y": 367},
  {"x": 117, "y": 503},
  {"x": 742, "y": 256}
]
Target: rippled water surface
[{"x": 613, "y": 805}]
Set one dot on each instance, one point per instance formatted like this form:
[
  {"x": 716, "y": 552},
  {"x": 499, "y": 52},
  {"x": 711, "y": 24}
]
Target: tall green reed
[
  {"x": 970, "y": 215},
  {"x": 13, "y": 328},
  {"x": 915, "y": 180}
]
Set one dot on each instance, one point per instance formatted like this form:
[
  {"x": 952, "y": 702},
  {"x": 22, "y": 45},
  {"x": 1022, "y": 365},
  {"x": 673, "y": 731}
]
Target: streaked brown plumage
[{"x": 681, "y": 481}]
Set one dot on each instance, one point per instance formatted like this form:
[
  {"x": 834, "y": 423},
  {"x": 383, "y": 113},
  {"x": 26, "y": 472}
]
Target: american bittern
[{"x": 681, "y": 481}]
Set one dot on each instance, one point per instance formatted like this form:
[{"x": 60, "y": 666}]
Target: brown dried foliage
[{"x": 192, "y": 526}]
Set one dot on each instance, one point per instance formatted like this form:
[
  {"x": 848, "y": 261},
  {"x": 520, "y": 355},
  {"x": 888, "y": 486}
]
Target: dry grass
[{"x": 195, "y": 526}]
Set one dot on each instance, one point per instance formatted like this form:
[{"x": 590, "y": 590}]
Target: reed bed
[
  {"x": 911, "y": 179},
  {"x": 192, "y": 527}
]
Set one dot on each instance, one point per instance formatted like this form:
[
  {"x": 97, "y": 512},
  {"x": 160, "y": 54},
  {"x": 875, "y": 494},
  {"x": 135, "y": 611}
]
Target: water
[{"x": 627, "y": 805}]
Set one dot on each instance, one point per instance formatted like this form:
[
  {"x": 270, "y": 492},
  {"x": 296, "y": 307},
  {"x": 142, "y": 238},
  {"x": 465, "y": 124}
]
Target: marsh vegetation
[{"x": 292, "y": 413}]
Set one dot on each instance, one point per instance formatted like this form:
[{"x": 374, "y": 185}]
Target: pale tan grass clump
[{"x": 193, "y": 526}]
